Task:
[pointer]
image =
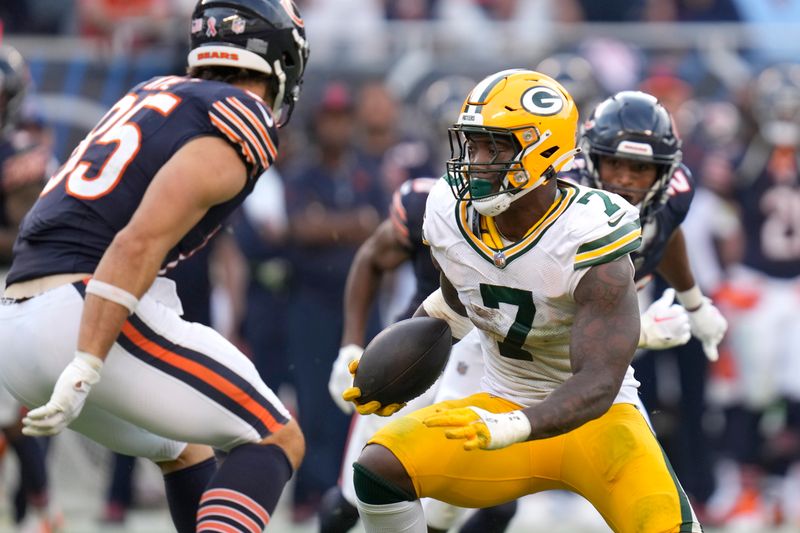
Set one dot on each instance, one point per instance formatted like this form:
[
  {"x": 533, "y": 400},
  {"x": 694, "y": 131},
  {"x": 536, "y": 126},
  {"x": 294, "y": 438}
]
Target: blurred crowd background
[{"x": 385, "y": 79}]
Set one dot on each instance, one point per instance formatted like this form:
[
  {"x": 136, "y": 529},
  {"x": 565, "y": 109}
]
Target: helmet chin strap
[
  {"x": 495, "y": 205},
  {"x": 277, "y": 104},
  {"x": 491, "y": 207}
]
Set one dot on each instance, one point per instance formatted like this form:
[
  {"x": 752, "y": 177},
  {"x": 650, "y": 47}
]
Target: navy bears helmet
[
  {"x": 633, "y": 125},
  {"x": 13, "y": 85},
  {"x": 263, "y": 35}
]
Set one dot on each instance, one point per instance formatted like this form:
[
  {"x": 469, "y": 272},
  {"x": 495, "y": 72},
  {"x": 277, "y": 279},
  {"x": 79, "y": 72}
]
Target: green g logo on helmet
[{"x": 543, "y": 101}]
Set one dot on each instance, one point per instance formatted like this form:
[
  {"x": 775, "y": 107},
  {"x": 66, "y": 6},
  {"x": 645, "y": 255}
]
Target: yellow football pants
[{"x": 613, "y": 461}]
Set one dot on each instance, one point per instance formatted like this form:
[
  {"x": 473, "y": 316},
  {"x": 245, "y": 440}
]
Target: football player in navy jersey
[
  {"x": 631, "y": 148},
  {"x": 93, "y": 337}
]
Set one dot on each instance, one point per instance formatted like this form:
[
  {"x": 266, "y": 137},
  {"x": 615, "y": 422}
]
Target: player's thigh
[
  {"x": 124, "y": 437},
  {"x": 464, "y": 370},
  {"x": 440, "y": 468},
  {"x": 616, "y": 463},
  {"x": 186, "y": 382}
]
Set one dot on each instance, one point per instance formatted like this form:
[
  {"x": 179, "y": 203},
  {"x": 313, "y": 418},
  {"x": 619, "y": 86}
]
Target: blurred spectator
[
  {"x": 409, "y": 9},
  {"x": 38, "y": 16},
  {"x": 770, "y": 25},
  {"x": 261, "y": 235},
  {"x": 337, "y": 33},
  {"x": 617, "y": 64},
  {"x": 707, "y": 10},
  {"x": 577, "y": 75},
  {"x": 387, "y": 154},
  {"x": 125, "y": 24},
  {"x": 482, "y": 28},
  {"x": 765, "y": 312},
  {"x": 439, "y": 106},
  {"x": 611, "y": 10},
  {"x": 333, "y": 204}
]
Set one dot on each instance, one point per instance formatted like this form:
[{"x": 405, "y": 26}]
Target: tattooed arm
[{"x": 604, "y": 336}]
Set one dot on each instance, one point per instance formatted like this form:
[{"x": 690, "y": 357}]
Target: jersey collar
[{"x": 481, "y": 233}]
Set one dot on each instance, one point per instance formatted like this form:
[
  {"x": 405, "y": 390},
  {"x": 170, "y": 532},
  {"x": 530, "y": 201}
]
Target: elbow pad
[{"x": 436, "y": 306}]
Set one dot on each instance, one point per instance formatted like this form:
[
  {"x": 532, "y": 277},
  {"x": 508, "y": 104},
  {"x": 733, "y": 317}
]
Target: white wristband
[
  {"x": 505, "y": 428},
  {"x": 690, "y": 299},
  {"x": 113, "y": 294}
]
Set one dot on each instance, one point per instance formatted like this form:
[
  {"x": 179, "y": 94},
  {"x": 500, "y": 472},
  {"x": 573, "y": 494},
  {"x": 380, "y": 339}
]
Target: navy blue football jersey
[
  {"x": 95, "y": 193},
  {"x": 407, "y": 212},
  {"x": 770, "y": 211},
  {"x": 656, "y": 231}
]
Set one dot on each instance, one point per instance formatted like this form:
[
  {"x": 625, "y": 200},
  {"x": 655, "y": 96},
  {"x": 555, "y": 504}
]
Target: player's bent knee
[
  {"x": 379, "y": 477},
  {"x": 191, "y": 455},
  {"x": 374, "y": 489},
  {"x": 291, "y": 440}
]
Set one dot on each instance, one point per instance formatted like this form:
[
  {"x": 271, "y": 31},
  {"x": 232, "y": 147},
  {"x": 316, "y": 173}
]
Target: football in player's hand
[{"x": 403, "y": 360}]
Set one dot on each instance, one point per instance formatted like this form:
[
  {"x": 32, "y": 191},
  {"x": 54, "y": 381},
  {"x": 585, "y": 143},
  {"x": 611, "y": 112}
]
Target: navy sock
[
  {"x": 184, "y": 489},
  {"x": 336, "y": 514},
  {"x": 245, "y": 491},
  {"x": 32, "y": 473}
]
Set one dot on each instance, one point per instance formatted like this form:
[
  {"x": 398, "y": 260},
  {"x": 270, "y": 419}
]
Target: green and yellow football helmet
[{"x": 531, "y": 110}]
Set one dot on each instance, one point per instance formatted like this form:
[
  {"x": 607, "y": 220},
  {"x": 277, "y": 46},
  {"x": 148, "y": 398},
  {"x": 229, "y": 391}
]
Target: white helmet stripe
[{"x": 485, "y": 85}]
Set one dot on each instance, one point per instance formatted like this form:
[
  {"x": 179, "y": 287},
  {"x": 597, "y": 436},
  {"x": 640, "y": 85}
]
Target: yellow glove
[
  {"x": 374, "y": 407},
  {"x": 482, "y": 429}
]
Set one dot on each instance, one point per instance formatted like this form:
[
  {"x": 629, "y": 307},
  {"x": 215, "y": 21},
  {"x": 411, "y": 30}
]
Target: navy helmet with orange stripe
[
  {"x": 262, "y": 35},
  {"x": 633, "y": 125}
]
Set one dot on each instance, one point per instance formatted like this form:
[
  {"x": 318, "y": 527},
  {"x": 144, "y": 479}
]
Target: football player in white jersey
[{"x": 541, "y": 268}]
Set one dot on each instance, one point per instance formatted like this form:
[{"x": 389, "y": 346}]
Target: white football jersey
[{"x": 521, "y": 295}]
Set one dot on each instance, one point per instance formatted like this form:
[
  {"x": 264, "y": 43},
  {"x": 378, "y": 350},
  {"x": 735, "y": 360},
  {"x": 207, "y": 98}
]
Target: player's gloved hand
[
  {"x": 480, "y": 428},
  {"x": 709, "y": 326},
  {"x": 665, "y": 324},
  {"x": 341, "y": 379},
  {"x": 69, "y": 395},
  {"x": 370, "y": 408}
]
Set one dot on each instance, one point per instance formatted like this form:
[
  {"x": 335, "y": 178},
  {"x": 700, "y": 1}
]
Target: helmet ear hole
[{"x": 549, "y": 152}]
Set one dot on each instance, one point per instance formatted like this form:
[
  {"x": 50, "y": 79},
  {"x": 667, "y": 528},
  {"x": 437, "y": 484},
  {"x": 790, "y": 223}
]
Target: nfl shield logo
[{"x": 238, "y": 26}]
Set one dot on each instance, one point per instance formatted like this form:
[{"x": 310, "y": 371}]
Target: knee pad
[{"x": 375, "y": 490}]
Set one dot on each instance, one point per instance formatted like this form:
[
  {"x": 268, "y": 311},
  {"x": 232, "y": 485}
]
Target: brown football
[{"x": 403, "y": 360}]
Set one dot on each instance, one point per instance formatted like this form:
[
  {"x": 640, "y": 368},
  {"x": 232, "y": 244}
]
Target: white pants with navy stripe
[{"x": 166, "y": 381}]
